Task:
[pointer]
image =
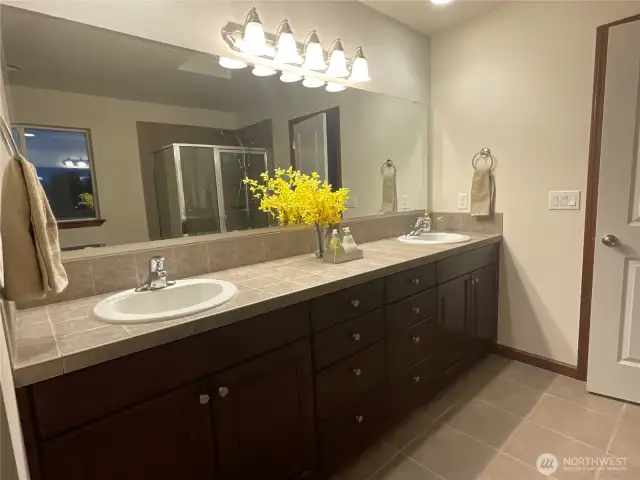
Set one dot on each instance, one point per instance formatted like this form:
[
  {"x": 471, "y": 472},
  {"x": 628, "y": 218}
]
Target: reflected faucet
[{"x": 157, "y": 276}]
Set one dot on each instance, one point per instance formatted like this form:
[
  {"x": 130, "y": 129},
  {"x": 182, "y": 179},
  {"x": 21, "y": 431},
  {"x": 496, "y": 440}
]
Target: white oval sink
[
  {"x": 186, "y": 297},
  {"x": 435, "y": 238}
]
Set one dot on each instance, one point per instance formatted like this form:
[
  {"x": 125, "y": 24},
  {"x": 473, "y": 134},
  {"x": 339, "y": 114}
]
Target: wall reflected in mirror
[{"x": 137, "y": 141}]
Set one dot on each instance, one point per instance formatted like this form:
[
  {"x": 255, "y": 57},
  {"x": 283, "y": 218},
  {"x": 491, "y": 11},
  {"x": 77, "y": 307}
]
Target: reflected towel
[
  {"x": 32, "y": 257},
  {"x": 482, "y": 193},
  {"x": 389, "y": 195}
]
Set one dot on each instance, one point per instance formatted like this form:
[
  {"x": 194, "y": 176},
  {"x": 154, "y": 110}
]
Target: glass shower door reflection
[{"x": 200, "y": 192}]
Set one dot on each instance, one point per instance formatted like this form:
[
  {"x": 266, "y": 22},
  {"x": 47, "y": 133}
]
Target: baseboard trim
[{"x": 537, "y": 361}]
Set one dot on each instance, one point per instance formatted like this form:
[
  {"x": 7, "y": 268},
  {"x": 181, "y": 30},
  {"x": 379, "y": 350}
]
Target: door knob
[{"x": 610, "y": 240}]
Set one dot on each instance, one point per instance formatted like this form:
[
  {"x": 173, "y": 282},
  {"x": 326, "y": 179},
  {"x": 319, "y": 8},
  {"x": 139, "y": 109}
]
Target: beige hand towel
[
  {"x": 482, "y": 192},
  {"x": 31, "y": 248},
  {"x": 389, "y": 195}
]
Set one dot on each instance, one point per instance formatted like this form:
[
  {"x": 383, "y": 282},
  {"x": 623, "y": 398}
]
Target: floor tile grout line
[
  {"x": 582, "y": 406},
  {"x": 409, "y": 457},
  {"x": 615, "y": 430}
]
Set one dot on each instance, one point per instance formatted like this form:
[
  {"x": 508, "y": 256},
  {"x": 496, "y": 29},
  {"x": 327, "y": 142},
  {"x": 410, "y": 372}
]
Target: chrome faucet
[
  {"x": 422, "y": 224},
  {"x": 157, "y": 276}
]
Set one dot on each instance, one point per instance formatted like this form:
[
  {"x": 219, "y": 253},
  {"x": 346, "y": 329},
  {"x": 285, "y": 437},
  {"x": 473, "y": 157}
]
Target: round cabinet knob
[
  {"x": 416, "y": 379},
  {"x": 204, "y": 399},
  {"x": 359, "y": 418},
  {"x": 355, "y": 303},
  {"x": 223, "y": 391},
  {"x": 610, "y": 240},
  {"x": 356, "y": 337},
  {"x": 357, "y": 372},
  {"x": 416, "y": 310},
  {"x": 416, "y": 281},
  {"x": 476, "y": 281},
  {"x": 416, "y": 339}
]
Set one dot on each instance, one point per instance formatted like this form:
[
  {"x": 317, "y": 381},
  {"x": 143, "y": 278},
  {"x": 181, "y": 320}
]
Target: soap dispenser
[
  {"x": 348, "y": 243},
  {"x": 335, "y": 245}
]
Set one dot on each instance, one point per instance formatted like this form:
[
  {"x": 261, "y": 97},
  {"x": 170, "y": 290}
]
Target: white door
[
  {"x": 310, "y": 145},
  {"x": 614, "y": 346}
]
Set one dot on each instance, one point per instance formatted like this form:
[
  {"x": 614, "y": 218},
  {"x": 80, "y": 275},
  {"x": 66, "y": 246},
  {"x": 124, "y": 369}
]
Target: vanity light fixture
[
  {"x": 313, "y": 53},
  {"x": 253, "y": 39},
  {"x": 286, "y": 46},
  {"x": 359, "y": 67},
  {"x": 288, "y": 77},
  {"x": 81, "y": 164},
  {"x": 262, "y": 71},
  {"x": 232, "y": 63},
  {"x": 311, "y": 82},
  {"x": 69, "y": 163},
  {"x": 335, "y": 87},
  {"x": 337, "y": 60}
]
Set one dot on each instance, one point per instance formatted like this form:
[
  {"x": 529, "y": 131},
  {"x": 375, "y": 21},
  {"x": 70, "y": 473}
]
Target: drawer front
[
  {"x": 347, "y": 338},
  {"x": 404, "y": 284},
  {"x": 410, "y": 347},
  {"x": 345, "y": 435},
  {"x": 79, "y": 397},
  {"x": 349, "y": 303},
  {"x": 411, "y": 310},
  {"x": 459, "y": 265},
  {"x": 417, "y": 385},
  {"x": 345, "y": 381}
]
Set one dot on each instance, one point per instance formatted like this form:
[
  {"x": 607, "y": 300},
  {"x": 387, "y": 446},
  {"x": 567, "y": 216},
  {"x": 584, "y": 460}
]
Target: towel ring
[
  {"x": 483, "y": 154},
  {"x": 388, "y": 164}
]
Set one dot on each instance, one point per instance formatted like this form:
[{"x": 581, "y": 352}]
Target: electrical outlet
[
  {"x": 352, "y": 202},
  {"x": 404, "y": 202},
  {"x": 463, "y": 201}
]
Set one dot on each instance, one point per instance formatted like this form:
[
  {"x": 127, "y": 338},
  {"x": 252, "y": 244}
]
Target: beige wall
[
  {"x": 373, "y": 128},
  {"x": 115, "y": 147},
  {"x": 398, "y": 56},
  {"x": 519, "y": 81}
]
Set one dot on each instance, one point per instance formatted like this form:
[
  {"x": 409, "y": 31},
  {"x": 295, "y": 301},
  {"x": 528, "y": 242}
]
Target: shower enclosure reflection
[{"x": 199, "y": 189}]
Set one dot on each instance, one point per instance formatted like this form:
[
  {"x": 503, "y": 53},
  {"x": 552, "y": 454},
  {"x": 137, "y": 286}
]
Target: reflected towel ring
[
  {"x": 388, "y": 164},
  {"x": 483, "y": 154}
]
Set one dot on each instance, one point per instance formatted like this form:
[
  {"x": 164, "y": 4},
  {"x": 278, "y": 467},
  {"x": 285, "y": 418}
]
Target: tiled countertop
[{"x": 61, "y": 338}]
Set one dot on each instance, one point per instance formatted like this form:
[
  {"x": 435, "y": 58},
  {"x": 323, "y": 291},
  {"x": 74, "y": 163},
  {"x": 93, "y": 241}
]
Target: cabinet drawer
[
  {"x": 343, "y": 382},
  {"x": 345, "y": 304},
  {"x": 71, "y": 400},
  {"x": 347, "y": 338},
  {"x": 464, "y": 263},
  {"x": 410, "y": 282},
  {"x": 413, "y": 345},
  {"x": 345, "y": 435},
  {"x": 411, "y": 310},
  {"x": 416, "y": 385}
]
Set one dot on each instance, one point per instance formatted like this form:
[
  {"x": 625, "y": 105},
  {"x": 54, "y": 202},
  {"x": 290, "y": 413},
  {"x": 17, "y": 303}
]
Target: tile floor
[{"x": 493, "y": 423}]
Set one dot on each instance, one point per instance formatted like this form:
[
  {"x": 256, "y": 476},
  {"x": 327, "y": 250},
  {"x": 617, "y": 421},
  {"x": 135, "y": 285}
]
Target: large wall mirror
[{"x": 137, "y": 141}]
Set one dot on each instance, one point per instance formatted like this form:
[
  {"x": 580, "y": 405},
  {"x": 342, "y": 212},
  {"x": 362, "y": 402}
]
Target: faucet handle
[{"x": 156, "y": 264}]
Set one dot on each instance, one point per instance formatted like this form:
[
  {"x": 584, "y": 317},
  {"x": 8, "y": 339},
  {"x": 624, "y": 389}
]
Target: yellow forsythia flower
[{"x": 293, "y": 197}]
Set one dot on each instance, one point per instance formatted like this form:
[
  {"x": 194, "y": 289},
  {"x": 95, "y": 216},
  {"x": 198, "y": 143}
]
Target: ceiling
[
  {"x": 428, "y": 18},
  {"x": 63, "y": 55}
]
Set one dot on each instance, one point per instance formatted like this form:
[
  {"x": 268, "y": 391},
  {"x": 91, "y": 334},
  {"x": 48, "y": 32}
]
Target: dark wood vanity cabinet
[{"x": 294, "y": 393}]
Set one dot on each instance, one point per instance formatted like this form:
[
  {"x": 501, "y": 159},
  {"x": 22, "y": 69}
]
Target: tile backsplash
[{"x": 109, "y": 273}]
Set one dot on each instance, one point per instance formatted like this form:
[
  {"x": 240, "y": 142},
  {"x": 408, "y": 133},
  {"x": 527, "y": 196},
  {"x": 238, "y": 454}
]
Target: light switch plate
[
  {"x": 463, "y": 201},
  {"x": 404, "y": 202},
  {"x": 352, "y": 202},
  {"x": 564, "y": 200}
]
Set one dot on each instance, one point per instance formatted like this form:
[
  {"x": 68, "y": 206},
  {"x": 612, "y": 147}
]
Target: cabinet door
[
  {"x": 263, "y": 416},
  {"x": 166, "y": 437},
  {"x": 453, "y": 313},
  {"x": 485, "y": 304}
]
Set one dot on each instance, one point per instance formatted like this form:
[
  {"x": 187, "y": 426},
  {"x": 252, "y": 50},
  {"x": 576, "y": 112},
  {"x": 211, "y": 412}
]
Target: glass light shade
[
  {"x": 338, "y": 64},
  {"x": 287, "y": 49},
  {"x": 262, "y": 71},
  {"x": 231, "y": 63},
  {"x": 68, "y": 163},
  {"x": 312, "y": 82},
  {"x": 314, "y": 57},
  {"x": 82, "y": 164},
  {"x": 254, "y": 42},
  {"x": 335, "y": 87},
  {"x": 288, "y": 77},
  {"x": 360, "y": 70}
]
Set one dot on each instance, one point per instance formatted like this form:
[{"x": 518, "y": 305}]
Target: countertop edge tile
[{"x": 408, "y": 256}]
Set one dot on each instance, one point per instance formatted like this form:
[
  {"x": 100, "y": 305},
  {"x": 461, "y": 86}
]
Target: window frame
[{"x": 96, "y": 219}]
